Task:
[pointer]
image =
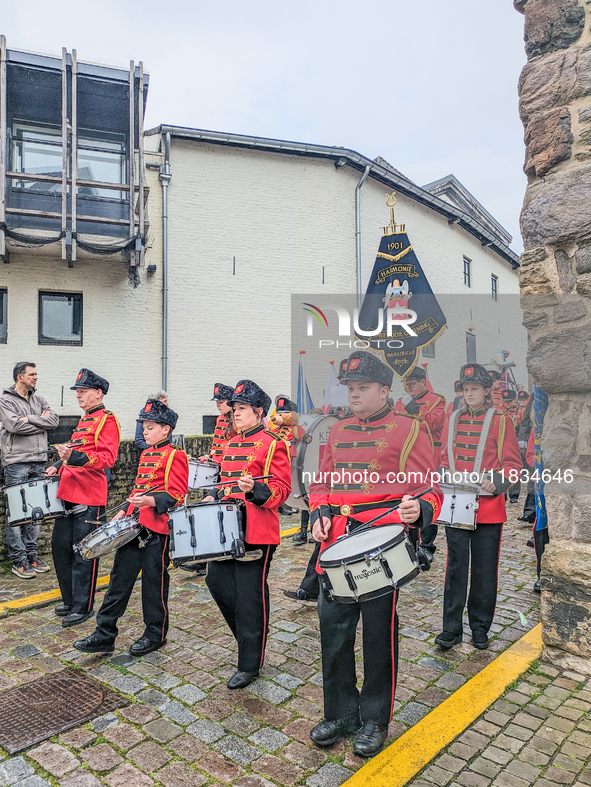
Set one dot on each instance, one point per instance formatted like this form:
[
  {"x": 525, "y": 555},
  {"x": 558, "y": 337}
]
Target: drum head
[
  {"x": 359, "y": 544},
  {"x": 310, "y": 454}
]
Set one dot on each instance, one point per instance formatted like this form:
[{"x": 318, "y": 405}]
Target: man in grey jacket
[{"x": 26, "y": 418}]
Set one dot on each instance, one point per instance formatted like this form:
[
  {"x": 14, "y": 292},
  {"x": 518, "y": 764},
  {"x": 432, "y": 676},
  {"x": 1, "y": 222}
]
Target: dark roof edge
[{"x": 358, "y": 162}]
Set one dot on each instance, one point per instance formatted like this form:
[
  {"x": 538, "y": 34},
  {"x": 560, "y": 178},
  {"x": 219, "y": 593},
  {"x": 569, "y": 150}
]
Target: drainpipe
[
  {"x": 165, "y": 177},
  {"x": 358, "y": 233}
]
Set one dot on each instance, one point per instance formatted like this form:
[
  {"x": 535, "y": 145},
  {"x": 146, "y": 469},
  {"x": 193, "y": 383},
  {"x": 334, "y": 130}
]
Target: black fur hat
[
  {"x": 417, "y": 374},
  {"x": 507, "y": 395},
  {"x": 160, "y": 413},
  {"x": 285, "y": 405},
  {"x": 221, "y": 391},
  {"x": 475, "y": 373},
  {"x": 249, "y": 392},
  {"x": 88, "y": 379},
  {"x": 362, "y": 365}
]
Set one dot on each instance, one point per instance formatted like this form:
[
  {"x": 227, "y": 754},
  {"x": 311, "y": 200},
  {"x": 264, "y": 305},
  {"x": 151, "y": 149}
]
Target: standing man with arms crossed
[
  {"x": 92, "y": 449},
  {"x": 26, "y": 418},
  {"x": 393, "y": 445}
]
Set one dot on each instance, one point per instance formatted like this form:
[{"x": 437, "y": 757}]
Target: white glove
[
  {"x": 406, "y": 398},
  {"x": 522, "y": 443}
]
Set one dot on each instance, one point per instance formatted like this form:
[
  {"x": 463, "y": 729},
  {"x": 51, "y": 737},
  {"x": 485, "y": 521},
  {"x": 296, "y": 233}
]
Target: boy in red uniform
[
  {"x": 477, "y": 550},
  {"x": 221, "y": 396},
  {"x": 397, "y": 448},
  {"x": 92, "y": 449},
  {"x": 240, "y": 588},
  {"x": 161, "y": 483}
]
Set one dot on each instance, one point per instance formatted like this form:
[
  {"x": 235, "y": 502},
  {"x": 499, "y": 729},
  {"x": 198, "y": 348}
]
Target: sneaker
[
  {"x": 39, "y": 566},
  {"x": 23, "y": 570}
]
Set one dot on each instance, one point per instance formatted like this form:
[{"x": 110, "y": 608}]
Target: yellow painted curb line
[
  {"x": 404, "y": 758},
  {"x": 54, "y": 595}
]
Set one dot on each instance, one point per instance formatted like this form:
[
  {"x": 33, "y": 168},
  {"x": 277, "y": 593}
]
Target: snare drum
[
  {"x": 368, "y": 564},
  {"x": 306, "y": 464},
  {"x": 202, "y": 473},
  {"x": 33, "y": 501},
  {"x": 460, "y": 507},
  {"x": 108, "y": 537},
  {"x": 207, "y": 531}
]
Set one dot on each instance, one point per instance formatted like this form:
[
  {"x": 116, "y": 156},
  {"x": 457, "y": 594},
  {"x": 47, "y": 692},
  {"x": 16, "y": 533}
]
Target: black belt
[
  {"x": 349, "y": 510},
  {"x": 437, "y": 443}
]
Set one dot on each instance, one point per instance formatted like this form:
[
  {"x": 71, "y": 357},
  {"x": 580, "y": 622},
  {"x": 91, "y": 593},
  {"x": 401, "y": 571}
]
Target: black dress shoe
[
  {"x": 198, "y": 568},
  {"x": 145, "y": 645},
  {"x": 330, "y": 731},
  {"x": 530, "y": 519},
  {"x": 94, "y": 644},
  {"x": 285, "y": 510},
  {"x": 530, "y": 543},
  {"x": 445, "y": 640},
  {"x": 370, "y": 740},
  {"x": 75, "y": 618},
  {"x": 62, "y": 610},
  {"x": 300, "y": 595},
  {"x": 480, "y": 640},
  {"x": 241, "y": 679},
  {"x": 300, "y": 538},
  {"x": 537, "y": 587}
]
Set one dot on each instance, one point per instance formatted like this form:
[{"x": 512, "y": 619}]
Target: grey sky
[{"x": 430, "y": 85}]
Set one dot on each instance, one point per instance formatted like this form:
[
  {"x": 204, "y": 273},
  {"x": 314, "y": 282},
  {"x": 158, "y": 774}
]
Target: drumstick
[
  {"x": 395, "y": 508},
  {"x": 110, "y": 510},
  {"x": 233, "y": 481}
]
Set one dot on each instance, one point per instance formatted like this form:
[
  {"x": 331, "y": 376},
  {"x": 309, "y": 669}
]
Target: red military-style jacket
[
  {"x": 501, "y": 452},
  {"x": 163, "y": 469},
  {"x": 498, "y": 403},
  {"x": 432, "y": 411},
  {"x": 258, "y": 451},
  {"x": 219, "y": 437},
  {"x": 374, "y": 460},
  {"x": 96, "y": 444}
]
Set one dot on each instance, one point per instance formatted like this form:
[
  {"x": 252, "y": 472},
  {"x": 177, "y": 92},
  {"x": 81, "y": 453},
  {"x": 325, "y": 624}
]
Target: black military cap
[
  {"x": 523, "y": 395},
  {"x": 417, "y": 374},
  {"x": 494, "y": 375},
  {"x": 160, "y": 413},
  {"x": 458, "y": 386},
  {"x": 507, "y": 395},
  {"x": 88, "y": 379},
  {"x": 250, "y": 393},
  {"x": 285, "y": 405},
  {"x": 342, "y": 369},
  {"x": 362, "y": 365},
  {"x": 475, "y": 373},
  {"x": 221, "y": 391}
]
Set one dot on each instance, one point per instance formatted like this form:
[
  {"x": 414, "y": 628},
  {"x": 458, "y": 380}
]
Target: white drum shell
[
  {"x": 363, "y": 561},
  {"x": 108, "y": 537},
  {"x": 207, "y": 542},
  {"x": 202, "y": 473},
  {"x": 459, "y": 508},
  {"x": 36, "y": 496}
]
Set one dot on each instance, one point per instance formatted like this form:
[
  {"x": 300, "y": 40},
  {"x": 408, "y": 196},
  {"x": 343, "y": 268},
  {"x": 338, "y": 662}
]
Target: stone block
[
  {"x": 551, "y": 25},
  {"x": 269, "y": 691},
  {"x": 13, "y": 770},
  {"x": 177, "y": 712},
  {"x": 207, "y": 731},
  {"x": 559, "y": 360},
  {"x": 548, "y": 140},
  {"x": 329, "y": 775},
  {"x": 178, "y": 775},
  {"x": 237, "y": 749},
  {"x": 162, "y": 730},
  {"x": 269, "y": 739},
  {"x": 54, "y": 759}
]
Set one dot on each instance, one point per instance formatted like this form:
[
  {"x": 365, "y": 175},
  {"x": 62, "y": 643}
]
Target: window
[
  {"x": 429, "y": 352},
  {"x": 470, "y": 348},
  {"x": 467, "y": 272},
  {"x": 3, "y": 316},
  {"x": 494, "y": 285},
  {"x": 103, "y": 160},
  {"x": 60, "y": 318},
  {"x": 37, "y": 151}
]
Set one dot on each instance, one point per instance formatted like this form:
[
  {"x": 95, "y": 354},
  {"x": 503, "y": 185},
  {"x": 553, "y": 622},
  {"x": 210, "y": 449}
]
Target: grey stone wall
[
  {"x": 122, "y": 478},
  {"x": 555, "y": 279}
]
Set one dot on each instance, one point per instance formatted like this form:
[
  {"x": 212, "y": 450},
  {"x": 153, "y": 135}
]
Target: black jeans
[
  {"x": 475, "y": 552},
  {"x": 76, "y": 576},
  {"x": 152, "y": 560},
  {"x": 338, "y": 624},
  {"x": 241, "y": 591}
]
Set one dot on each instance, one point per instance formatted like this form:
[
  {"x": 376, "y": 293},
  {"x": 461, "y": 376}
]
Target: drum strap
[{"x": 453, "y": 425}]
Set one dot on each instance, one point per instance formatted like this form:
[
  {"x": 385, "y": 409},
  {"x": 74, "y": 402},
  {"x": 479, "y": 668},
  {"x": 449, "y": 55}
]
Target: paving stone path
[{"x": 184, "y": 728}]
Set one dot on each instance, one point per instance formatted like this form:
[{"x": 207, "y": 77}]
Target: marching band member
[
  {"x": 479, "y": 547},
  {"x": 161, "y": 484},
  {"x": 375, "y": 440},
  {"x": 431, "y": 408},
  {"x": 458, "y": 398},
  {"x": 240, "y": 588},
  {"x": 92, "y": 449},
  {"x": 221, "y": 396}
]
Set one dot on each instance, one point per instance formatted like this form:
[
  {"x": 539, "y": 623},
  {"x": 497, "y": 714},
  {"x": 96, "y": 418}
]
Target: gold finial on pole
[{"x": 392, "y": 228}]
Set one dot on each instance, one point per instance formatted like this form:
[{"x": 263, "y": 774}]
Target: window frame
[
  {"x": 494, "y": 285},
  {"x": 473, "y": 337},
  {"x": 4, "y": 292},
  {"x": 428, "y": 352},
  {"x": 468, "y": 272},
  {"x": 43, "y": 340}
]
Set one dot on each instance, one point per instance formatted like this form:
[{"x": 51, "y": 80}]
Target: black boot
[
  {"x": 328, "y": 732},
  {"x": 371, "y": 739}
]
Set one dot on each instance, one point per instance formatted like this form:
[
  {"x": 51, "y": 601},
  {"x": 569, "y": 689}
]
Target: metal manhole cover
[{"x": 34, "y": 712}]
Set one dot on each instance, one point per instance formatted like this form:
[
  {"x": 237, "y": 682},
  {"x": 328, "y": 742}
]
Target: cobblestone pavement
[
  {"x": 185, "y": 728},
  {"x": 538, "y": 733}
]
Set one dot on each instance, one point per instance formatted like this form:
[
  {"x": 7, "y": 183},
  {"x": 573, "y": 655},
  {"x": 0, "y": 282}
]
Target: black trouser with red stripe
[
  {"x": 338, "y": 624},
  {"x": 475, "y": 552},
  {"x": 241, "y": 591},
  {"x": 152, "y": 560},
  {"x": 76, "y": 577}
]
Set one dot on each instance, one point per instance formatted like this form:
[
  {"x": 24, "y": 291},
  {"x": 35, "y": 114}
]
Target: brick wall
[{"x": 122, "y": 478}]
